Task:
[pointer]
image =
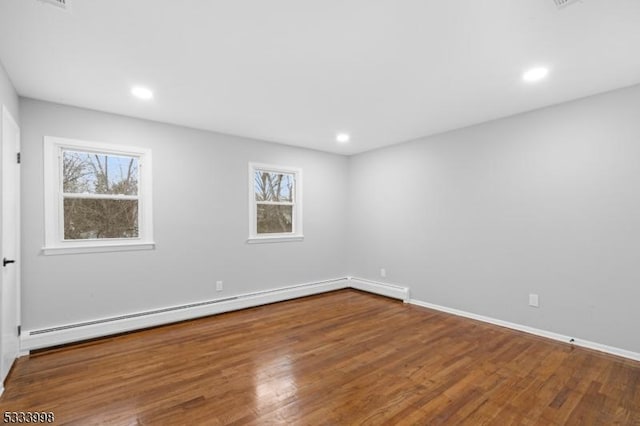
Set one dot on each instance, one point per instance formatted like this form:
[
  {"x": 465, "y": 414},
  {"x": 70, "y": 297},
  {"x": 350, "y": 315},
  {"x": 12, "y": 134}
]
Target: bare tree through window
[
  {"x": 275, "y": 197},
  {"x": 100, "y": 195}
]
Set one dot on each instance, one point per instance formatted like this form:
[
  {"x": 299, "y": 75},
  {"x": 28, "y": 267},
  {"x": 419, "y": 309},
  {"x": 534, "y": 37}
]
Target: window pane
[
  {"x": 274, "y": 219},
  {"x": 85, "y": 172},
  {"x": 95, "y": 219},
  {"x": 269, "y": 186}
]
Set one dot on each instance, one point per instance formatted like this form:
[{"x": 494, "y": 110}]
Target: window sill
[
  {"x": 275, "y": 239},
  {"x": 98, "y": 248}
]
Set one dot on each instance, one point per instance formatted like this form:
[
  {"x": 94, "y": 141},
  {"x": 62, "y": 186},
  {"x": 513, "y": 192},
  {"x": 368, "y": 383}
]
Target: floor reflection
[{"x": 275, "y": 381}]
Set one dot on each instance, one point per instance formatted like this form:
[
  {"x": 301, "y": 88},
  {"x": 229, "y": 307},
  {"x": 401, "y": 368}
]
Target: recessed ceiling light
[
  {"x": 142, "y": 93},
  {"x": 343, "y": 137},
  {"x": 535, "y": 74}
]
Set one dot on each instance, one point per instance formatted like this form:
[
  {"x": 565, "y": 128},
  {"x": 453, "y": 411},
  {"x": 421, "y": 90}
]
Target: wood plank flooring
[{"x": 341, "y": 358}]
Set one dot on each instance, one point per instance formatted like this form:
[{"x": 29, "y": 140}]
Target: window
[
  {"x": 275, "y": 203},
  {"x": 97, "y": 197}
]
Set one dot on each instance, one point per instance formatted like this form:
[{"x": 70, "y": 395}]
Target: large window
[
  {"x": 97, "y": 197},
  {"x": 275, "y": 203}
]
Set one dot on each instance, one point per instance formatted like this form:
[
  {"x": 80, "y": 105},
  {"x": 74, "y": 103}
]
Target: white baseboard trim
[
  {"x": 54, "y": 336},
  {"x": 531, "y": 330},
  {"x": 384, "y": 289},
  {"x": 63, "y": 334}
]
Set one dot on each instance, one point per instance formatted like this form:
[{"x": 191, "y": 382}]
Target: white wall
[
  {"x": 546, "y": 202},
  {"x": 201, "y": 221},
  {"x": 8, "y": 95}
]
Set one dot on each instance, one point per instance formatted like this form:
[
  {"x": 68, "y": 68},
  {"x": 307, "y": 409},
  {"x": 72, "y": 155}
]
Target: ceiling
[{"x": 298, "y": 72}]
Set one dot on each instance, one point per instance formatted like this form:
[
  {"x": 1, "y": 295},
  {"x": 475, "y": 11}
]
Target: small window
[
  {"x": 97, "y": 197},
  {"x": 275, "y": 203}
]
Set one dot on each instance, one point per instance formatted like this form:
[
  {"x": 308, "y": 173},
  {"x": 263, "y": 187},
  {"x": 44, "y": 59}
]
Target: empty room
[{"x": 320, "y": 212}]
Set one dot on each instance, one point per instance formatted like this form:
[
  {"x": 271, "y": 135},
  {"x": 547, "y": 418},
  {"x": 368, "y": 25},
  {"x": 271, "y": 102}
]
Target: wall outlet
[
  {"x": 534, "y": 301},
  {"x": 383, "y": 273},
  {"x": 218, "y": 285}
]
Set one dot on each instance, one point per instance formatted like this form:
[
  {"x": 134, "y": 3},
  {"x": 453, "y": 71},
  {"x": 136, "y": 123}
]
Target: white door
[{"x": 10, "y": 255}]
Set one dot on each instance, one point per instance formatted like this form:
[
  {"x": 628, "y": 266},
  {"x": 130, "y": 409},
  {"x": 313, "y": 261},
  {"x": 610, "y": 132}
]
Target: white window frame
[
  {"x": 54, "y": 242},
  {"x": 296, "y": 234}
]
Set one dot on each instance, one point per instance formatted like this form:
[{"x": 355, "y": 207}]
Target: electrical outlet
[
  {"x": 383, "y": 273},
  {"x": 218, "y": 285},
  {"x": 534, "y": 301}
]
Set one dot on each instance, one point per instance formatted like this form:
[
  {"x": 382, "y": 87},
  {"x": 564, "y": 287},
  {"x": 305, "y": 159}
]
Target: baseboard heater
[
  {"x": 63, "y": 334},
  {"x": 136, "y": 315}
]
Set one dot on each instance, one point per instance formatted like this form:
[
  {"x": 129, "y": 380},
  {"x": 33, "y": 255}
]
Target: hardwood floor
[{"x": 340, "y": 358}]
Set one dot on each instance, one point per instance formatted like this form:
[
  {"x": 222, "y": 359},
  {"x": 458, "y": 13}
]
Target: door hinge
[
  {"x": 18, "y": 158},
  {"x": 19, "y": 330}
]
